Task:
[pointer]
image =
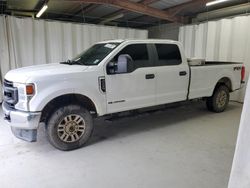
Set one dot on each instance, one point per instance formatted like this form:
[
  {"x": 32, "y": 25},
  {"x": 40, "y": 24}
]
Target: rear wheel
[
  {"x": 69, "y": 127},
  {"x": 219, "y": 100}
]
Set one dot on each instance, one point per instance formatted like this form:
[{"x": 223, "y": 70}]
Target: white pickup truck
[{"x": 109, "y": 78}]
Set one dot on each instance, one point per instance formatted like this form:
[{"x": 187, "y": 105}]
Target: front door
[{"x": 135, "y": 89}]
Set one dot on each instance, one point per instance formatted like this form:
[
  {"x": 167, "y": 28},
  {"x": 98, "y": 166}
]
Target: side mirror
[{"x": 124, "y": 64}]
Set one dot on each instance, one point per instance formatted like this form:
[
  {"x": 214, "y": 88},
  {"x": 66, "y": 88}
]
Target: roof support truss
[{"x": 135, "y": 7}]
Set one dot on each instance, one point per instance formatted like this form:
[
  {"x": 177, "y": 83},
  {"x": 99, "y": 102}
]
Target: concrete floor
[{"x": 183, "y": 147}]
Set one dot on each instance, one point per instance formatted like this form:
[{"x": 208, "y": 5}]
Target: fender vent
[{"x": 102, "y": 84}]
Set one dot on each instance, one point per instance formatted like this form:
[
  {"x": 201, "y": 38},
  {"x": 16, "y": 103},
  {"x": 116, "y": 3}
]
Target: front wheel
[
  {"x": 69, "y": 127},
  {"x": 219, "y": 100}
]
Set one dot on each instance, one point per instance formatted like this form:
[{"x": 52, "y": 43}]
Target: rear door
[
  {"x": 135, "y": 89},
  {"x": 172, "y": 75}
]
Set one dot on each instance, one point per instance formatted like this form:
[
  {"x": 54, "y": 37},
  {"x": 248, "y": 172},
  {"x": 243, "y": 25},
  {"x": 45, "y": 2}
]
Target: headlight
[{"x": 25, "y": 93}]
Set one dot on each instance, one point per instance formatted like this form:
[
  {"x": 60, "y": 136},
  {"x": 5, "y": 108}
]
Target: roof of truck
[{"x": 139, "y": 40}]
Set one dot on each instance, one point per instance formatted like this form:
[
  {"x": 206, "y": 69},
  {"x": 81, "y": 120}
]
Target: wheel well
[
  {"x": 65, "y": 100},
  {"x": 225, "y": 81}
]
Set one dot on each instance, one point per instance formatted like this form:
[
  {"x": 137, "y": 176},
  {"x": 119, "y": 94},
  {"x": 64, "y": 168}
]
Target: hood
[{"x": 21, "y": 75}]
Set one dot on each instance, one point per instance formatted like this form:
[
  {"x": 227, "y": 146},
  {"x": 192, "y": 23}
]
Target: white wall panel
[
  {"x": 164, "y": 31},
  {"x": 4, "y": 53},
  {"x": 39, "y": 42},
  {"x": 189, "y": 41},
  {"x": 200, "y": 40},
  {"x": 212, "y": 44},
  {"x": 225, "y": 40},
  {"x": 68, "y": 42}
]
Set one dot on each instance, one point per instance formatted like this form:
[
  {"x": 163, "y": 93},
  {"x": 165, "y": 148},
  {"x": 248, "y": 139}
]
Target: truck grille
[
  {"x": 10, "y": 93},
  {"x": 7, "y": 83}
]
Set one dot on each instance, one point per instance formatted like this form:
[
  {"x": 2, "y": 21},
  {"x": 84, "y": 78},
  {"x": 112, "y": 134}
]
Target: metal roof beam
[
  {"x": 135, "y": 7},
  {"x": 121, "y": 11},
  {"x": 86, "y": 9},
  {"x": 178, "y": 8}
]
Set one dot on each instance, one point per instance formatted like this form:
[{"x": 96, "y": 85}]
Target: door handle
[
  {"x": 150, "y": 76},
  {"x": 182, "y": 73}
]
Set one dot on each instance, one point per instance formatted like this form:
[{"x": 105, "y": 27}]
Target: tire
[
  {"x": 69, "y": 127},
  {"x": 219, "y": 100}
]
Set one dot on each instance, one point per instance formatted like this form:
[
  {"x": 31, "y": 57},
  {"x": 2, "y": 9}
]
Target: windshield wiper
[{"x": 69, "y": 62}]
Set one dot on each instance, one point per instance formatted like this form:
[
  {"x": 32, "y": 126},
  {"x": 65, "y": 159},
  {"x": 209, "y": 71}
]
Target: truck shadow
[
  {"x": 104, "y": 131},
  {"x": 172, "y": 116}
]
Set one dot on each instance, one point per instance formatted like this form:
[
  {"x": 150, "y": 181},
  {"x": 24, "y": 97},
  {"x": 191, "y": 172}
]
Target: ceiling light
[
  {"x": 215, "y": 2},
  {"x": 42, "y": 11}
]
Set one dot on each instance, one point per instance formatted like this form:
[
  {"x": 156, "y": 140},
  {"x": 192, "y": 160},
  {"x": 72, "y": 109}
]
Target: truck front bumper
[{"x": 23, "y": 124}]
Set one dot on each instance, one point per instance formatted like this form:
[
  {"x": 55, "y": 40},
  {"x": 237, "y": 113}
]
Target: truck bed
[{"x": 204, "y": 77}]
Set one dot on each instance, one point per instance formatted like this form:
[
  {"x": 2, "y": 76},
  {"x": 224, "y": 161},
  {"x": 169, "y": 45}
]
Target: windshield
[{"x": 95, "y": 54}]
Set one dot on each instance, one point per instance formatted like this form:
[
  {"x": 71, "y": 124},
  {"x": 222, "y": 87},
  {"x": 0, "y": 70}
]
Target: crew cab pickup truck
[{"x": 110, "y": 77}]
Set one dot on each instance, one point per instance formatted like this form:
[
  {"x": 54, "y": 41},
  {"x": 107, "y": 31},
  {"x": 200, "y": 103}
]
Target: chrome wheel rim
[
  {"x": 221, "y": 99},
  {"x": 71, "y": 128}
]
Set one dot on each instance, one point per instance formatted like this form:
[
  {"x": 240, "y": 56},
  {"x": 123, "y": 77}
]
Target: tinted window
[
  {"x": 136, "y": 51},
  {"x": 168, "y": 54},
  {"x": 139, "y": 54},
  {"x": 95, "y": 54}
]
